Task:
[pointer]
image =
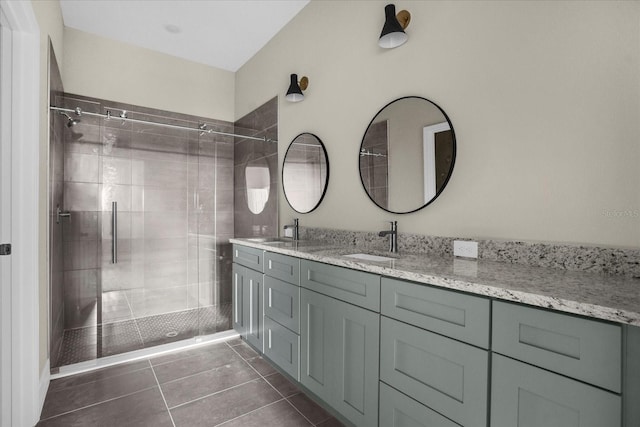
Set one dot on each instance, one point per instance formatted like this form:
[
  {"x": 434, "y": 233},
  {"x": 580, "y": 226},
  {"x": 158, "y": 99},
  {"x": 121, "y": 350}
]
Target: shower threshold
[
  {"x": 103, "y": 340},
  {"x": 103, "y": 362}
]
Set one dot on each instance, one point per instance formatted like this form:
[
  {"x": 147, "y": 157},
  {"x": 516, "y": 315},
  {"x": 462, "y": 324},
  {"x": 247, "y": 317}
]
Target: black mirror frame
[
  {"x": 453, "y": 156},
  {"x": 326, "y": 183}
]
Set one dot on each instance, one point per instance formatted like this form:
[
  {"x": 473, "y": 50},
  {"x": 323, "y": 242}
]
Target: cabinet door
[
  {"x": 398, "y": 410},
  {"x": 339, "y": 356},
  {"x": 448, "y": 376},
  {"x": 282, "y": 303},
  {"x": 525, "y": 396},
  {"x": 238, "y": 300},
  {"x": 253, "y": 308},
  {"x": 282, "y": 346}
]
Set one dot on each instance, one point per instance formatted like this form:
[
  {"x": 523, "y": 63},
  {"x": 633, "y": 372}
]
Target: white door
[
  {"x": 21, "y": 390},
  {"x": 5, "y": 221},
  {"x": 429, "y": 153}
]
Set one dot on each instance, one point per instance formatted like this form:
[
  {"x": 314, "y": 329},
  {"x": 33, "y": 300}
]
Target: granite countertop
[{"x": 607, "y": 297}]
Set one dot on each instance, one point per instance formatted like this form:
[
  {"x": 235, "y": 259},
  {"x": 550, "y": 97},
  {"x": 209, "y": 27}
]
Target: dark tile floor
[
  {"x": 94, "y": 342},
  {"x": 225, "y": 384}
]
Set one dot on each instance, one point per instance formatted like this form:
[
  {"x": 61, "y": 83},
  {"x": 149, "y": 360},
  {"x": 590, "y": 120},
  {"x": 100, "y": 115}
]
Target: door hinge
[{"x": 5, "y": 249}]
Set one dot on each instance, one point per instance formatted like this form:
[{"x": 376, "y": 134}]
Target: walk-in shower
[{"x": 142, "y": 206}]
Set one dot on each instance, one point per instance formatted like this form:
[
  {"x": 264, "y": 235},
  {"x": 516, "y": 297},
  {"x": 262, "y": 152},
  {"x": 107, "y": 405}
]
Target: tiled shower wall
[
  {"x": 374, "y": 163},
  {"x": 56, "y": 177},
  {"x": 261, "y": 122},
  {"x": 173, "y": 190}
]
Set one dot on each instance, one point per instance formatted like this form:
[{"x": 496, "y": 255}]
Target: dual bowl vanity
[{"x": 413, "y": 339}]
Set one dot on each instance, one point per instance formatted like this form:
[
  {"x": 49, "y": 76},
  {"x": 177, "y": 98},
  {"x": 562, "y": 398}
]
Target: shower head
[{"x": 70, "y": 121}]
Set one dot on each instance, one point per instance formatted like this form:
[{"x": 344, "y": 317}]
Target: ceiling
[{"x": 221, "y": 33}]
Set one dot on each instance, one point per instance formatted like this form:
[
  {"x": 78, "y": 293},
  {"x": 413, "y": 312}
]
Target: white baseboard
[{"x": 45, "y": 378}]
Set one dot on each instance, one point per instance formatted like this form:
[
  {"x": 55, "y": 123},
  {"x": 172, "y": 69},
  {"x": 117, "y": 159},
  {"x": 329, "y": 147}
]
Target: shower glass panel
[
  {"x": 211, "y": 226},
  {"x": 144, "y": 262}
]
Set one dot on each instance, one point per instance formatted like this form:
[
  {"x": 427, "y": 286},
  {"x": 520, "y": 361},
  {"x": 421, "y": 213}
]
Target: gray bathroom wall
[
  {"x": 56, "y": 182},
  {"x": 261, "y": 122},
  {"x": 173, "y": 190}
]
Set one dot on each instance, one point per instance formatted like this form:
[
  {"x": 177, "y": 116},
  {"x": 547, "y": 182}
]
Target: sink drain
[{"x": 171, "y": 334}]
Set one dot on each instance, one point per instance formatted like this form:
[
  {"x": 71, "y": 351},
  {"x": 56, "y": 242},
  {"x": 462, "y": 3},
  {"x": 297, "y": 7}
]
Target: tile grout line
[
  {"x": 271, "y": 385},
  {"x": 213, "y": 394},
  {"x": 197, "y": 373},
  {"x": 97, "y": 403},
  {"x": 163, "y": 398},
  {"x": 97, "y": 380},
  {"x": 252, "y": 411},
  {"x": 135, "y": 320}
]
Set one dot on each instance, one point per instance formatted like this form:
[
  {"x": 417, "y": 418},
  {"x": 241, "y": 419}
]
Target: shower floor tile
[
  {"x": 208, "y": 386},
  {"x": 79, "y": 345}
]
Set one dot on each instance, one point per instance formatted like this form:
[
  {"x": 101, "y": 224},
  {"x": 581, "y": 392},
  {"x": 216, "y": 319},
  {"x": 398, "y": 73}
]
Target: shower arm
[{"x": 199, "y": 129}]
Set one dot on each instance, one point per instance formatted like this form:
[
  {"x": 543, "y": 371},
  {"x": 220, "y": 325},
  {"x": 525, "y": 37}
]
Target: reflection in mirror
[
  {"x": 305, "y": 173},
  {"x": 258, "y": 184},
  {"x": 407, "y": 155}
]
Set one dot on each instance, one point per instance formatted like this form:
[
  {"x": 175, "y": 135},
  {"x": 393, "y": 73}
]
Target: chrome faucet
[
  {"x": 296, "y": 231},
  {"x": 393, "y": 236}
]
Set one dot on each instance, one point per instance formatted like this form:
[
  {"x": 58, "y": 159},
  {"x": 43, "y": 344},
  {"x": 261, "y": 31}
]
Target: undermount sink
[
  {"x": 368, "y": 257},
  {"x": 269, "y": 239}
]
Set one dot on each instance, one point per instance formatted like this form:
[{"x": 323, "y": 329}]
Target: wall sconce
[
  {"x": 393, "y": 34},
  {"x": 294, "y": 94}
]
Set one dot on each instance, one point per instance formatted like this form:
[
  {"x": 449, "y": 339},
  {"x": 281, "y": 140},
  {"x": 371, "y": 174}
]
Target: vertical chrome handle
[
  {"x": 114, "y": 232},
  {"x": 235, "y": 289},
  {"x": 251, "y": 306}
]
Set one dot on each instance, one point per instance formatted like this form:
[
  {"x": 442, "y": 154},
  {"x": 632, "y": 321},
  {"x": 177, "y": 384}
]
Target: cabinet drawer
[
  {"x": 398, "y": 410},
  {"x": 525, "y": 396},
  {"x": 249, "y": 257},
  {"x": 448, "y": 376},
  {"x": 282, "y": 303},
  {"x": 283, "y": 347},
  {"x": 456, "y": 315},
  {"x": 355, "y": 287},
  {"x": 584, "y": 349},
  {"x": 282, "y": 267}
]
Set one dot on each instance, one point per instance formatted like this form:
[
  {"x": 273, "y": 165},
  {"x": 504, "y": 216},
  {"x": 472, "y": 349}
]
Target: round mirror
[
  {"x": 407, "y": 154},
  {"x": 305, "y": 172},
  {"x": 257, "y": 177}
]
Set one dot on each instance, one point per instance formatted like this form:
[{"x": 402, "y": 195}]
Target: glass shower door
[
  {"x": 211, "y": 228},
  {"x": 149, "y": 292},
  {"x": 147, "y": 257}
]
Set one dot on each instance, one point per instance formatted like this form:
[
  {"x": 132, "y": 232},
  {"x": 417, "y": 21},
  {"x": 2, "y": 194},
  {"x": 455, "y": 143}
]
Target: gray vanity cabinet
[
  {"x": 282, "y": 267},
  {"x": 282, "y": 312},
  {"x": 282, "y": 347},
  {"x": 525, "y": 396},
  {"x": 453, "y": 314},
  {"x": 587, "y": 350},
  {"x": 282, "y": 303},
  {"x": 391, "y": 353},
  {"x": 447, "y": 376},
  {"x": 552, "y": 361},
  {"x": 248, "y": 304},
  {"x": 355, "y": 287},
  {"x": 249, "y": 257},
  {"x": 398, "y": 410},
  {"x": 339, "y": 356}
]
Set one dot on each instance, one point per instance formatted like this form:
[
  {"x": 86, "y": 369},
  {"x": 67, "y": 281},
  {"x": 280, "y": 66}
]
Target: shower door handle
[
  {"x": 61, "y": 214},
  {"x": 114, "y": 232}
]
